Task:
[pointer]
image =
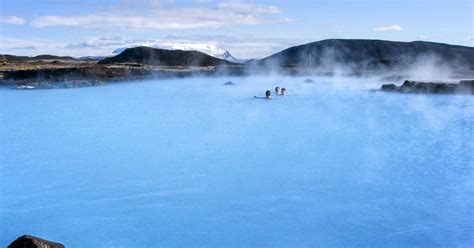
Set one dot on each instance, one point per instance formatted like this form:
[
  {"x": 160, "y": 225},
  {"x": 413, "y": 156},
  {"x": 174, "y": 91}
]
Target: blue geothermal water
[{"x": 193, "y": 163}]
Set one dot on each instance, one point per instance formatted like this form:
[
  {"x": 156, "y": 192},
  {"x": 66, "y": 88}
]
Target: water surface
[{"x": 192, "y": 163}]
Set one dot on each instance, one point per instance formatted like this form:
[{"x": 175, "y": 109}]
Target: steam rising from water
[
  {"x": 191, "y": 162},
  {"x": 369, "y": 58}
]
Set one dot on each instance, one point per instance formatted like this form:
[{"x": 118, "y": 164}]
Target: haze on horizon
[{"x": 248, "y": 29}]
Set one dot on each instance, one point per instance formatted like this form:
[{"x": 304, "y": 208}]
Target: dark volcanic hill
[
  {"x": 371, "y": 55},
  {"x": 155, "y": 56}
]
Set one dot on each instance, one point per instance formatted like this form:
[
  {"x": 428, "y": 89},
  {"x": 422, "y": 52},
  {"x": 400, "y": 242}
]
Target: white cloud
[
  {"x": 15, "y": 20},
  {"x": 165, "y": 17},
  {"x": 23, "y": 46},
  {"x": 388, "y": 28},
  {"x": 241, "y": 7}
]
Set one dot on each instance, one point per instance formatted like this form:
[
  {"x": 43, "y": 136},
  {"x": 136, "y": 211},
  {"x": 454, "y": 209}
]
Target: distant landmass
[
  {"x": 372, "y": 55},
  {"x": 212, "y": 50},
  {"x": 14, "y": 58},
  {"x": 92, "y": 58},
  {"x": 163, "y": 57},
  {"x": 387, "y": 59}
]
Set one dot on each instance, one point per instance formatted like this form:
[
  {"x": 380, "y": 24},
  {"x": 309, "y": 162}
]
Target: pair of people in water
[
  {"x": 281, "y": 92},
  {"x": 278, "y": 91}
]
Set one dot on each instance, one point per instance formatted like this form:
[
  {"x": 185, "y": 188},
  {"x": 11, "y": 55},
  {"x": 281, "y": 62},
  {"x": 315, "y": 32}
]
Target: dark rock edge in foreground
[{"x": 28, "y": 241}]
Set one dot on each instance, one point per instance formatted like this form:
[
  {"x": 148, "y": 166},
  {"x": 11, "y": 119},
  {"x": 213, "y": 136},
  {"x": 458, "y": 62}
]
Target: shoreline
[{"x": 32, "y": 75}]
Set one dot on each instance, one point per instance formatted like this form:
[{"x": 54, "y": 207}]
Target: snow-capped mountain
[
  {"x": 227, "y": 56},
  {"x": 212, "y": 50}
]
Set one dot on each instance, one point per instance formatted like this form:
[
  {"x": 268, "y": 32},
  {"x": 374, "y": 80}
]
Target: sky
[{"x": 248, "y": 29}]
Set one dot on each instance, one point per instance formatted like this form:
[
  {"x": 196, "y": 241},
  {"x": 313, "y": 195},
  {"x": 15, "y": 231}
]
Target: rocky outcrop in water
[
  {"x": 27, "y": 241},
  {"x": 389, "y": 87},
  {"x": 463, "y": 87}
]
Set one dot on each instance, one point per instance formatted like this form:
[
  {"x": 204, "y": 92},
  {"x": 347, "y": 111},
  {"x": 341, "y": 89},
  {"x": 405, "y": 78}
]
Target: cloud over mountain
[{"x": 388, "y": 28}]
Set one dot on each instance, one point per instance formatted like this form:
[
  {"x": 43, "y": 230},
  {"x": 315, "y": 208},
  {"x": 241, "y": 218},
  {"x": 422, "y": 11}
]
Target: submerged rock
[
  {"x": 309, "y": 81},
  {"x": 229, "y": 83},
  {"x": 463, "y": 87},
  {"x": 389, "y": 87},
  {"x": 27, "y": 241}
]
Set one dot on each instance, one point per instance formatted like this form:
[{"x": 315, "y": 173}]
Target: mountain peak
[
  {"x": 210, "y": 49},
  {"x": 164, "y": 57}
]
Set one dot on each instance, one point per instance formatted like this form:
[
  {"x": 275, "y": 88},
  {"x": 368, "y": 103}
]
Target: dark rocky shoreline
[
  {"x": 24, "y": 75},
  {"x": 96, "y": 74},
  {"x": 465, "y": 87},
  {"x": 73, "y": 77}
]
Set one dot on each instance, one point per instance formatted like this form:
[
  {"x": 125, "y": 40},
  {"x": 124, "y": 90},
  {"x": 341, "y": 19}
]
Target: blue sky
[{"x": 248, "y": 29}]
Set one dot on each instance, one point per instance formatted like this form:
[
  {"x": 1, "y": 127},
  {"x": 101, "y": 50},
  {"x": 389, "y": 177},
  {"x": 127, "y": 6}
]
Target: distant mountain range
[
  {"x": 357, "y": 56},
  {"x": 370, "y": 55},
  {"x": 328, "y": 55},
  {"x": 163, "y": 57},
  {"x": 211, "y": 50},
  {"x": 15, "y": 58}
]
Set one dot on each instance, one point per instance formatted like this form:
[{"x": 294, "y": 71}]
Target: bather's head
[
  {"x": 283, "y": 91},
  {"x": 268, "y": 94},
  {"x": 277, "y": 90}
]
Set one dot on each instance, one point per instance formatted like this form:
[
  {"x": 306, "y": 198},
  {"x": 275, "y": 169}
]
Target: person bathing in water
[{"x": 268, "y": 95}]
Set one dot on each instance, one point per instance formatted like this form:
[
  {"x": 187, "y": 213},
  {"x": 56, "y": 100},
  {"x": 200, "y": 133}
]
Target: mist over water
[{"x": 193, "y": 163}]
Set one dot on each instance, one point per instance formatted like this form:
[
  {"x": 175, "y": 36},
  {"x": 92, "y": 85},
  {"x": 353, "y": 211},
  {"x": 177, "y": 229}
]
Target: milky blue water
[{"x": 192, "y": 163}]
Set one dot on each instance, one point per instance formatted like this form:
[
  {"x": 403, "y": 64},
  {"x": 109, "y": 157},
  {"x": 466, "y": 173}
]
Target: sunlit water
[{"x": 192, "y": 163}]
